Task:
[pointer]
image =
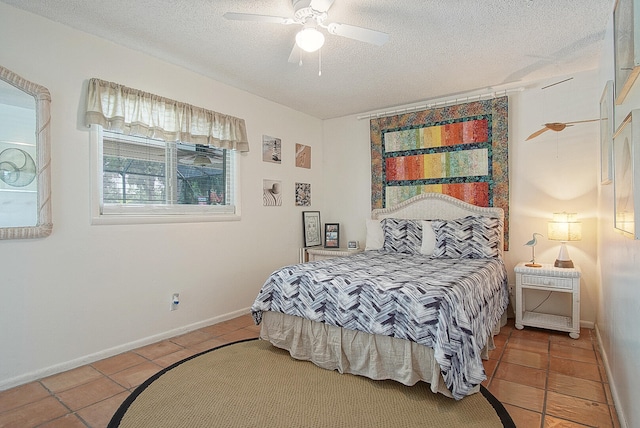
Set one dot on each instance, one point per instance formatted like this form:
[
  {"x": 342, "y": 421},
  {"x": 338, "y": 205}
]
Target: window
[
  {"x": 160, "y": 160},
  {"x": 141, "y": 177}
]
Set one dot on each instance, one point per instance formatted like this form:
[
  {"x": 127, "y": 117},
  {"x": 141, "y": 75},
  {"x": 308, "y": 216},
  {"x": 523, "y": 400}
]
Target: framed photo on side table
[
  {"x": 606, "y": 134},
  {"x": 332, "y": 235},
  {"x": 626, "y": 180},
  {"x": 311, "y": 228}
]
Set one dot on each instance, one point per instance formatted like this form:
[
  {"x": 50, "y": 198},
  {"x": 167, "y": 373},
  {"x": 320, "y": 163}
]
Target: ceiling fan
[
  {"x": 311, "y": 15},
  {"x": 557, "y": 126}
]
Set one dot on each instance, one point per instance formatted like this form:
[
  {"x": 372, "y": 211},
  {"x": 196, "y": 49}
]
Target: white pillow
[
  {"x": 375, "y": 235},
  {"x": 428, "y": 239}
]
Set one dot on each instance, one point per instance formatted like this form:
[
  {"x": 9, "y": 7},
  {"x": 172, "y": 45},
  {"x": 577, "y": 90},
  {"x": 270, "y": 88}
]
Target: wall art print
[
  {"x": 459, "y": 150},
  {"x": 303, "y": 156},
  {"x": 271, "y": 193},
  {"x": 606, "y": 133},
  {"x": 626, "y": 177},
  {"x": 626, "y": 39},
  {"x": 271, "y": 149},
  {"x": 303, "y": 194}
]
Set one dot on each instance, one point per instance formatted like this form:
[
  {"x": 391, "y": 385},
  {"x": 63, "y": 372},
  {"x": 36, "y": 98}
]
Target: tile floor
[{"x": 544, "y": 379}]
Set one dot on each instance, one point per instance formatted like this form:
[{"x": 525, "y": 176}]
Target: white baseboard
[
  {"x": 587, "y": 324},
  {"x": 88, "y": 359},
  {"x": 612, "y": 386}
]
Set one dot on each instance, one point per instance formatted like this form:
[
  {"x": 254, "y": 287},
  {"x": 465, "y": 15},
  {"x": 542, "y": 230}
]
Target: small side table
[
  {"x": 548, "y": 278},
  {"x": 321, "y": 253}
]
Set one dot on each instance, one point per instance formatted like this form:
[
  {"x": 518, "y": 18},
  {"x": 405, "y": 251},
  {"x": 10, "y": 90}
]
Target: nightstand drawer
[{"x": 547, "y": 282}]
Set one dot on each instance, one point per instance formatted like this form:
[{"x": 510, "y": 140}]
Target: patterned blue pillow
[
  {"x": 467, "y": 238},
  {"x": 487, "y": 234},
  {"x": 402, "y": 236}
]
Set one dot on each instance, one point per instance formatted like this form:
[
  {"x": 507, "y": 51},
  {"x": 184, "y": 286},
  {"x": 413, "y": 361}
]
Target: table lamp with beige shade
[{"x": 564, "y": 228}]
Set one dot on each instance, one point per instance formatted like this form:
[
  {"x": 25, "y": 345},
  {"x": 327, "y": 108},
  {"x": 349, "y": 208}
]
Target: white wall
[
  {"x": 555, "y": 172},
  {"x": 619, "y": 262},
  {"x": 347, "y": 167},
  {"x": 90, "y": 291}
]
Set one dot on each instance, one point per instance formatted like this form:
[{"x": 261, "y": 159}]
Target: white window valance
[{"x": 130, "y": 111}]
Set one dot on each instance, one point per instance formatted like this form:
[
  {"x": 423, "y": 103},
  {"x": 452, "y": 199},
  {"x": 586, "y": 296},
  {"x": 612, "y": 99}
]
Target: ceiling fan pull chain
[{"x": 319, "y": 62}]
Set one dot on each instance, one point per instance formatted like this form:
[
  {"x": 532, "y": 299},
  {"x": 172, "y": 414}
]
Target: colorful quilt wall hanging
[{"x": 459, "y": 150}]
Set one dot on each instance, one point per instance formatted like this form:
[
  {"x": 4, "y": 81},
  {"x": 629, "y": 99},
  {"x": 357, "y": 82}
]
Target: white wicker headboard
[{"x": 437, "y": 206}]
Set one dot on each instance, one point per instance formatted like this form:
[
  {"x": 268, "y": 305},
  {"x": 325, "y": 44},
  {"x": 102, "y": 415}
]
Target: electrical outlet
[{"x": 175, "y": 301}]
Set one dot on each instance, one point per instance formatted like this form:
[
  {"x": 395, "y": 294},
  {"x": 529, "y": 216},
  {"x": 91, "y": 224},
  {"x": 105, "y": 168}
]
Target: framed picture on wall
[
  {"x": 626, "y": 155},
  {"x": 311, "y": 228},
  {"x": 303, "y": 156},
  {"x": 271, "y": 149},
  {"x": 606, "y": 134},
  {"x": 626, "y": 46},
  {"x": 271, "y": 193},
  {"x": 332, "y": 235},
  {"x": 303, "y": 194}
]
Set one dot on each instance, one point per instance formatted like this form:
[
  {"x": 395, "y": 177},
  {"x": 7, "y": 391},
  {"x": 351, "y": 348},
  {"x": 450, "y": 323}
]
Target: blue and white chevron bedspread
[{"x": 450, "y": 305}]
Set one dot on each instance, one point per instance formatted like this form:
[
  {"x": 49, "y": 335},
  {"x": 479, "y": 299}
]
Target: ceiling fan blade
[
  {"x": 358, "y": 33},
  {"x": 321, "y": 5},
  {"x": 582, "y": 121},
  {"x": 296, "y": 54},
  {"x": 261, "y": 18},
  {"x": 535, "y": 134}
]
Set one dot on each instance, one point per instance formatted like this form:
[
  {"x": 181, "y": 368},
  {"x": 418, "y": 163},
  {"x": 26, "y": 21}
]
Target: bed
[{"x": 421, "y": 303}]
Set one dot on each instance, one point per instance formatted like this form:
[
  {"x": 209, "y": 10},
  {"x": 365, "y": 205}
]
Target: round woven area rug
[{"x": 253, "y": 384}]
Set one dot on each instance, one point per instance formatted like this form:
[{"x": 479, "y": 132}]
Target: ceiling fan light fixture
[
  {"x": 201, "y": 160},
  {"x": 309, "y": 39}
]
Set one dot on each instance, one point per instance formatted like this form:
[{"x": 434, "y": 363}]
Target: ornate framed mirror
[{"x": 25, "y": 155}]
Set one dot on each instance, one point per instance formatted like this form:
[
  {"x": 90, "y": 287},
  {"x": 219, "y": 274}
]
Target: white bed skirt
[{"x": 349, "y": 351}]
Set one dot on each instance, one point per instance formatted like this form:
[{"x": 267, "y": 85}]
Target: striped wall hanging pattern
[{"x": 459, "y": 150}]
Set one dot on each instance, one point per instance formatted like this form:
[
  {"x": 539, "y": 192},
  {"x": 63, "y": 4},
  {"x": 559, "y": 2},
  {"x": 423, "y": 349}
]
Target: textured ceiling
[{"x": 437, "y": 47}]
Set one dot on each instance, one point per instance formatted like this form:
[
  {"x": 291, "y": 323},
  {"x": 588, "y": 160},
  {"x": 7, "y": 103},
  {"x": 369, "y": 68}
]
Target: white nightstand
[
  {"x": 548, "y": 278},
  {"x": 321, "y": 253}
]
